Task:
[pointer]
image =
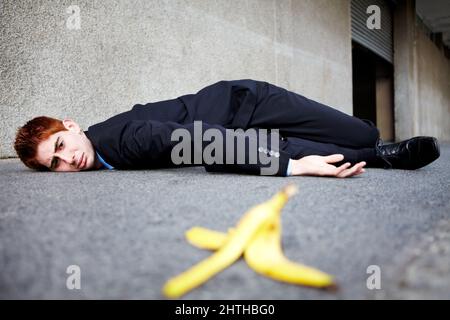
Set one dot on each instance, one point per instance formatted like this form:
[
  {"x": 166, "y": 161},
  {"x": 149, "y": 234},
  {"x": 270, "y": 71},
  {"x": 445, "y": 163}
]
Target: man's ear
[{"x": 71, "y": 125}]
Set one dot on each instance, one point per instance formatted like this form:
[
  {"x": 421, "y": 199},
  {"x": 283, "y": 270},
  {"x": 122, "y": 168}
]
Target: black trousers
[
  {"x": 308, "y": 127},
  {"x": 312, "y": 128}
]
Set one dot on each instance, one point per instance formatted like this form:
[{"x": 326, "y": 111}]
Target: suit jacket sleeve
[{"x": 148, "y": 143}]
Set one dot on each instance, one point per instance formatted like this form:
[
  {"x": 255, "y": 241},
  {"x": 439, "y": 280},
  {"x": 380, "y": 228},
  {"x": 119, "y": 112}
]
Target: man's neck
[{"x": 97, "y": 162}]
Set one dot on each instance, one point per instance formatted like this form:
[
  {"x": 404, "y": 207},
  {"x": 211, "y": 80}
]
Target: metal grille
[{"x": 377, "y": 40}]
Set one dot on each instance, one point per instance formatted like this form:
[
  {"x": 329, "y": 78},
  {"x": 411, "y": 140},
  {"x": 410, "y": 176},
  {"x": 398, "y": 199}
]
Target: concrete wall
[
  {"x": 433, "y": 77},
  {"x": 421, "y": 80},
  {"x": 129, "y": 52}
]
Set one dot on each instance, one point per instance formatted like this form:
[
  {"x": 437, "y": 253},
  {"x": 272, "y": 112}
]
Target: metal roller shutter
[{"x": 377, "y": 40}]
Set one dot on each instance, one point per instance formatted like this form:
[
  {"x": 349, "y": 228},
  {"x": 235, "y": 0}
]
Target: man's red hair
[{"x": 31, "y": 134}]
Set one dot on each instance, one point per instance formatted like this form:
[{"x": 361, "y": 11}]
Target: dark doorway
[{"x": 373, "y": 90}]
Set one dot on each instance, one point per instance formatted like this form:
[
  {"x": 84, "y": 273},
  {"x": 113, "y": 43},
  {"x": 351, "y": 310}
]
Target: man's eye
[{"x": 61, "y": 144}]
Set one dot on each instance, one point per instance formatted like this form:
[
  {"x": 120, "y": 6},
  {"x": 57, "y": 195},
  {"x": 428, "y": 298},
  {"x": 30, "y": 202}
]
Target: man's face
[{"x": 74, "y": 151}]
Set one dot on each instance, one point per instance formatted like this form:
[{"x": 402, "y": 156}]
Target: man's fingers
[
  {"x": 341, "y": 168},
  {"x": 350, "y": 172},
  {"x": 358, "y": 172},
  {"x": 334, "y": 158},
  {"x": 331, "y": 170},
  {"x": 356, "y": 169}
]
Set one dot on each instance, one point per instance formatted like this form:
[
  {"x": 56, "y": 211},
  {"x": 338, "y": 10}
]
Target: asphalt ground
[{"x": 125, "y": 231}]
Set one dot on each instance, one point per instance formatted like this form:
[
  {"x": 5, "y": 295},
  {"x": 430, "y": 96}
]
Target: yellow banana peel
[
  {"x": 257, "y": 236},
  {"x": 205, "y": 238},
  {"x": 264, "y": 255}
]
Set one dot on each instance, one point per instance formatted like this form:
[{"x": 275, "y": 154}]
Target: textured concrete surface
[
  {"x": 128, "y": 52},
  {"x": 421, "y": 79},
  {"x": 125, "y": 230}
]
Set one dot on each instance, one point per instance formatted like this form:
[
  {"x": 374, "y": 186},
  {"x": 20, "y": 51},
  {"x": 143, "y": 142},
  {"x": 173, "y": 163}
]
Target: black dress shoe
[{"x": 409, "y": 154}]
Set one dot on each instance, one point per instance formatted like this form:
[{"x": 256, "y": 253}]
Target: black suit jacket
[{"x": 141, "y": 138}]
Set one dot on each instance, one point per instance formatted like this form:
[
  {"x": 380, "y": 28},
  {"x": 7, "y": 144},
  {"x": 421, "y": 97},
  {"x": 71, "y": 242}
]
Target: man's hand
[{"x": 320, "y": 166}]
